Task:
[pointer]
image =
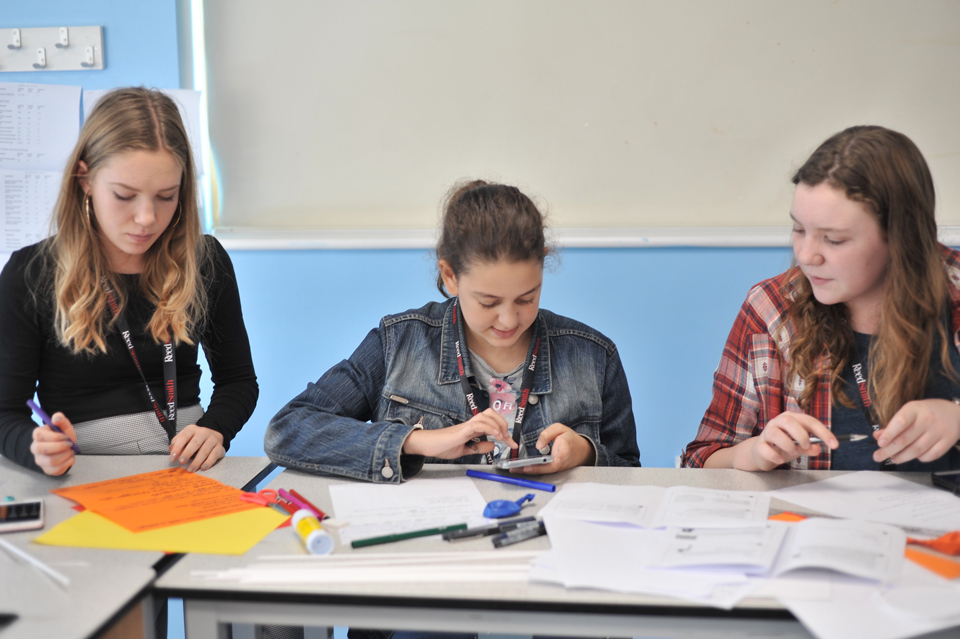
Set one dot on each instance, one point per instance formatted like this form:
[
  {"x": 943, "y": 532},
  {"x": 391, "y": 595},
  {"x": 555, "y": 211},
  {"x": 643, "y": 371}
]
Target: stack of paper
[{"x": 840, "y": 577}]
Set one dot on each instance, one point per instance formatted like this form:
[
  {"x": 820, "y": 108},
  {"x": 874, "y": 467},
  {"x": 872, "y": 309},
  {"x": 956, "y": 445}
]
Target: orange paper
[
  {"x": 946, "y": 568},
  {"x": 154, "y": 500}
]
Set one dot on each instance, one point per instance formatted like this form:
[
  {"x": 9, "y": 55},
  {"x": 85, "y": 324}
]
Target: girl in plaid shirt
[{"x": 860, "y": 336}]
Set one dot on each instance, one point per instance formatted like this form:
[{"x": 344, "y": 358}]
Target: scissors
[{"x": 265, "y": 497}]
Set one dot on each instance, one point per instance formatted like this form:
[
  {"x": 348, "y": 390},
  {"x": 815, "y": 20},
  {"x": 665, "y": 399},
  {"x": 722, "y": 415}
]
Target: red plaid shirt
[{"x": 748, "y": 385}]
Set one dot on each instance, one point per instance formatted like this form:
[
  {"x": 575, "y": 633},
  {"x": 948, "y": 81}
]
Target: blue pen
[
  {"x": 49, "y": 422},
  {"x": 507, "y": 479}
]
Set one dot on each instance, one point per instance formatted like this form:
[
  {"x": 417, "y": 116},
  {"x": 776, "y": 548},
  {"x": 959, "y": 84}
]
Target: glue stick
[{"x": 313, "y": 536}]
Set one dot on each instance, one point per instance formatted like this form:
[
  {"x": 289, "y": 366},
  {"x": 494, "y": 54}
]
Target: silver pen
[{"x": 852, "y": 437}]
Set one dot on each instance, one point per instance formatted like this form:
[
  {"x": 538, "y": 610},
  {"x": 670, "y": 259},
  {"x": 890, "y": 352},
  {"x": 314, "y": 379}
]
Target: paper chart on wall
[
  {"x": 39, "y": 125},
  {"x": 26, "y": 202},
  {"x": 384, "y": 509}
]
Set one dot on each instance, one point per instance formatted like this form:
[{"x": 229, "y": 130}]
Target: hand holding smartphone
[{"x": 506, "y": 464}]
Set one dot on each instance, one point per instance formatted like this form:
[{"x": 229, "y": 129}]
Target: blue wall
[
  {"x": 668, "y": 310},
  {"x": 139, "y": 40}
]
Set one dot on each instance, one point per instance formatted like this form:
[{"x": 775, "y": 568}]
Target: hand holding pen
[
  {"x": 785, "y": 438},
  {"x": 53, "y": 447}
]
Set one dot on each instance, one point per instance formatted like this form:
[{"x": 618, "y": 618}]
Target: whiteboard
[{"x": 360, "y": 114}]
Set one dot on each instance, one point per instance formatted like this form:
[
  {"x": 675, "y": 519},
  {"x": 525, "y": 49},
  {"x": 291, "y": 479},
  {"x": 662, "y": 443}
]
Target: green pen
[{"x": 386, "y": 539}]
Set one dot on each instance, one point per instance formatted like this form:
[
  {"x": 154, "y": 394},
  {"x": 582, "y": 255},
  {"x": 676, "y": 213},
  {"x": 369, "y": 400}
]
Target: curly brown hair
[{"x": 885, "y": 171}]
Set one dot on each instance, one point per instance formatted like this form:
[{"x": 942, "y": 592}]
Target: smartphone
[
  {"x": 21, "y": 515},
  {"x": 947, "y": 479},
  {"x": 505, "y": 464}
]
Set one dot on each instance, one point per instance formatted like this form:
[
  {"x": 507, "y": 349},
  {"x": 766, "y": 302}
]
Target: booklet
[{"x": 862, "y": 549}]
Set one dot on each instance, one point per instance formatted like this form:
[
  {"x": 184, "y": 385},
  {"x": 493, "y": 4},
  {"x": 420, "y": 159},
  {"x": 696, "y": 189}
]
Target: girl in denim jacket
[{"x": 485, "y": 375}]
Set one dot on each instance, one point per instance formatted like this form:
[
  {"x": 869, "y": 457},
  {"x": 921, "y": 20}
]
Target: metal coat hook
[
  {"x": 64, "y": 38},
  {"x": 87, "y": 57},
  {"x": 41, "y": 62},
  {"x": 15, "y": 39}
]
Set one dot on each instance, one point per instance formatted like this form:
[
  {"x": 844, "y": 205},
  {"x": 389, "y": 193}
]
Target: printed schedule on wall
[{"x": 39, "y": 125}]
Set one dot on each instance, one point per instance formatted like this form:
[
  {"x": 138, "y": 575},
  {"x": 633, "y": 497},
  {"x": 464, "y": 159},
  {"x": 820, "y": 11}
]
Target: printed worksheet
[
  {"x": 656, "y": 507},
  {"x": 384, "y": 509},
  {"x": 26, "y": 203},
  {"x": 751, "y": 550},
  {"x": 604, "y": 502},
  {"x": 859, "y": 548},
  {"x": 39, "y": 124}
]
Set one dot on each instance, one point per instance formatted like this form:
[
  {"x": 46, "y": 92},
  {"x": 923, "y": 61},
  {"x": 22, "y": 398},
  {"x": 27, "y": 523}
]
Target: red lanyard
[
  {"x": 168, "y": 420},
  {"x": 530, "y": 368},
  {"x": 863, "y": 396}
]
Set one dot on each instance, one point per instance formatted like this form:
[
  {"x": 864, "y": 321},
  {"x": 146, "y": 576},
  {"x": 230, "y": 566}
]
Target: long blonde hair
[
  {"x": 172, "y": 277},
  {"x": 885, "y": 171}
]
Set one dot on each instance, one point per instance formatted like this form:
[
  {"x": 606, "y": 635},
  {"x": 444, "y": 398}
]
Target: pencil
[{"x": 386, "y": 539}]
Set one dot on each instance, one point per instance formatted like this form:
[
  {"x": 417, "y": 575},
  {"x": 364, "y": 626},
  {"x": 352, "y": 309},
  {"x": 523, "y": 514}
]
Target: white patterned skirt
[{"x": 131, "y": 434}]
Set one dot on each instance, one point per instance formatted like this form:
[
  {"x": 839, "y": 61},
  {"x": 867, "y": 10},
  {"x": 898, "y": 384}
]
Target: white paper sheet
[
  {"x": 384, "y": 509},
  {"x": 604, "y": 502},
  {"x": 188, "y": 101},
  {"x": 752, "y": 550},
  {"x": 39, "y": 125},
  {"x": 610, "y": 557},
  {"x": 26, "y": 203},
  {"x": 687, "y": 507},
  {"x": 875, "y": 496},
  {"x": 858, "y": 609},
  {"x": 863, "y": 549},
  {"x": 652, "y": 506}
]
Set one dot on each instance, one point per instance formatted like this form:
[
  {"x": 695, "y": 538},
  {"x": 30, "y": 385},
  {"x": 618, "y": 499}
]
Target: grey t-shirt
[{"x": 504, "y": 390}]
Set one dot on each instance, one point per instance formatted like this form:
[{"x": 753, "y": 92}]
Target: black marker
[
  {"x": 522, "y": 533},
  {"x": 489, "y": 529}
]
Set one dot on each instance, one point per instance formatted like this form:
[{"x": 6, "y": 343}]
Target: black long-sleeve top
[{"x": 86, "y": 387}]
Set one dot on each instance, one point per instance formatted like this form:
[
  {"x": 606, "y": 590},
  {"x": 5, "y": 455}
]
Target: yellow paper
[{"x": 232, "y": 534}]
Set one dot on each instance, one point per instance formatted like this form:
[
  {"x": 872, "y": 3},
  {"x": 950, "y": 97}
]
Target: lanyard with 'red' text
[
  {"x": 859, "y": 367},
  {"x": 168, "y": 420},
  {"x": 530, "y": 368}
]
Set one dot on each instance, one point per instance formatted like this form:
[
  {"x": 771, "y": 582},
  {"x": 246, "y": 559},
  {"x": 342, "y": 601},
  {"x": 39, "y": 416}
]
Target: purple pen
[{"x": 49, "y": 422}]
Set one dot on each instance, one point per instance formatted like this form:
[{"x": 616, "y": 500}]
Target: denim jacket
[{"x": 354, "y": 420}]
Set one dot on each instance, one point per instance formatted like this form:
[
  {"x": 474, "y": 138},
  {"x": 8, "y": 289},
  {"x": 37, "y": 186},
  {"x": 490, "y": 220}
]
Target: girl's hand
[
  {"x": 569, "y": 449},
  {"x": 783, "y": 439},
  {"x": 197, "y": 448},
  {"x": 52, "y": 451},
  {"x": 456, "y": 441},
  {"x": 924, "y": 429}
]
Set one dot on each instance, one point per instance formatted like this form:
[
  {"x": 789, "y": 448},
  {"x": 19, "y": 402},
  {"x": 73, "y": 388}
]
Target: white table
[
  {"x": 104, "y": 584},
  {"x": 528, "y": 608}
]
